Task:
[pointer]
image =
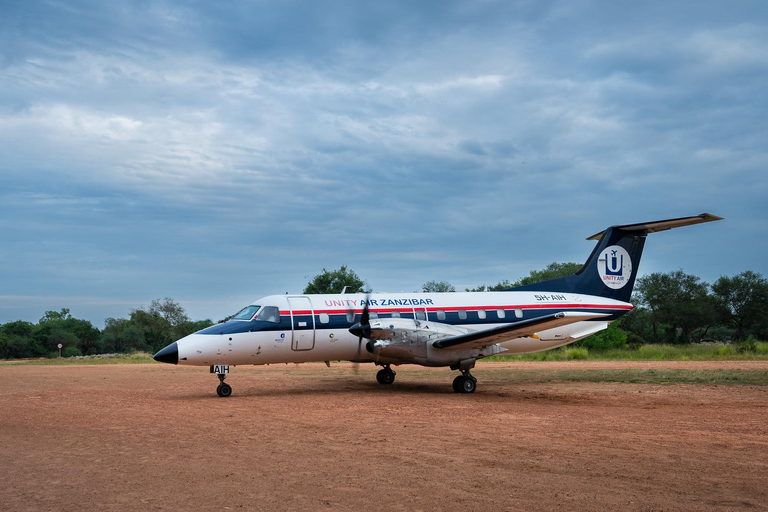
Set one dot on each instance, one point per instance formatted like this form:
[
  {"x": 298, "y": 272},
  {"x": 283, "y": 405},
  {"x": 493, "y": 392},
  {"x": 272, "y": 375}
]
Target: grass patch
[
  {"x": 693, "y": 352},
  {"x": 135, "y": 358},
  {"x": 633, "y": 376}
]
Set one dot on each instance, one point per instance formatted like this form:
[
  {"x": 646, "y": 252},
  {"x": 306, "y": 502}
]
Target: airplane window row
[{"x": 420, "y": 315}]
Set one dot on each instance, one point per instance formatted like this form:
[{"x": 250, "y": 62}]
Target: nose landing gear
[
  {"x": 221, "y": 371},
  {"x": 224, "y": 389}
]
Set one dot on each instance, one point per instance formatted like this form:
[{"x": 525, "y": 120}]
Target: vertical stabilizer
[{"x": 611, "y": 269}]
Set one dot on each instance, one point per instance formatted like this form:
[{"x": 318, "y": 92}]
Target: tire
[
  {"x": 457, "y": 384},
  {"x": 468, "y": 385},
  {"x": 385, "y": 376},
  {"x": 224, "y": 390}
]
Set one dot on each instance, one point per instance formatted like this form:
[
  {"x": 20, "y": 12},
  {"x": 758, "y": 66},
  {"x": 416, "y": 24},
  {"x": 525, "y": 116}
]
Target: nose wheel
[{"x": 224, "y": 389}]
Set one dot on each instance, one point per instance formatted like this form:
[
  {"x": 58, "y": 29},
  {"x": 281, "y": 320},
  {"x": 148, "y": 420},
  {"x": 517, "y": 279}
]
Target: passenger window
[
  {"x": 395, "y": 314},
  {"x": 420, "y": 315},
  {"x": 324, "y": 318},
  {"x": 501, "y": 313},
  {"x": 518, "y": 313},
  {"x": 373, "y": 315},
  {"x": 462, "y": 314},
  {"x": 481, "y": 314},
  {"x": 351, "y": 317},
  {"x": 440, "y": 314},
  {"x": 269, "y": 314}
]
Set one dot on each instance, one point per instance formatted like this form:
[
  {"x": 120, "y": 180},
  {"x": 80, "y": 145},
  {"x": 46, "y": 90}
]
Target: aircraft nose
[{"x": 169, "y": 354}]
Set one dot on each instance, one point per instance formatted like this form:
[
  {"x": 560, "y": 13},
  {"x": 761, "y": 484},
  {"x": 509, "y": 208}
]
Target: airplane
[{"x": 451, "y": 330}]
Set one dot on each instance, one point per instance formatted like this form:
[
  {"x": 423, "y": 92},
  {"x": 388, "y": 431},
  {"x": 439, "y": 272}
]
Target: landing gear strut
[
  {"x": 464, "y": 383},
  {"x": 386, "y": 375},
  {"x": 224, "y": 389}
]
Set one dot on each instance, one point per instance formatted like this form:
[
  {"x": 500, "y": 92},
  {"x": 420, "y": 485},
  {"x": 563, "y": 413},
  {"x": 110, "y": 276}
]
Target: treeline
[
  {"x": 146, "y": 329},
  {"x": 670, "y": 308}
]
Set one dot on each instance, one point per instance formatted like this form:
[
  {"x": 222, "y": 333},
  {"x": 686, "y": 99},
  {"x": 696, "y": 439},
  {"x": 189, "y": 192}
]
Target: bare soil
[{"x": 156, "y": 437}]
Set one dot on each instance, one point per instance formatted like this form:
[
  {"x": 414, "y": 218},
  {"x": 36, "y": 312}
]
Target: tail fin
[{"x": 612, "y": 267}]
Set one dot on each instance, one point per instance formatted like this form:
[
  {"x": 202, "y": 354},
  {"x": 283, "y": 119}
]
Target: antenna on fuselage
[{"x": 344, "y": 290}]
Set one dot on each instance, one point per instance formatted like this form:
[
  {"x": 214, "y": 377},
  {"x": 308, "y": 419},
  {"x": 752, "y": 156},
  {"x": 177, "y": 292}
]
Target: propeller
[{"x": 362, "y": 330}]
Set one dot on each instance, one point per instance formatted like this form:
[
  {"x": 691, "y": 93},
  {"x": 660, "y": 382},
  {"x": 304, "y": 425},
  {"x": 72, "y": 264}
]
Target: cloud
[{"x": 205, "y": 151}]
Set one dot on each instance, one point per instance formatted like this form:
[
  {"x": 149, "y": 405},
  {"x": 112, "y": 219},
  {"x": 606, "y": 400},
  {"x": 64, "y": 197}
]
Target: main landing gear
[
  {"x": 386, "y": 375},
  {"x": 464, "y": 383}
]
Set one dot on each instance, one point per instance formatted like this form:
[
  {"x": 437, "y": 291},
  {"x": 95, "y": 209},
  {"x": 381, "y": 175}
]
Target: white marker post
[{"x": 59, "y": 345}]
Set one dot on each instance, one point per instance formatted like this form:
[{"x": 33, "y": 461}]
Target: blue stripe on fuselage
[{"x": 340, "y": 321}]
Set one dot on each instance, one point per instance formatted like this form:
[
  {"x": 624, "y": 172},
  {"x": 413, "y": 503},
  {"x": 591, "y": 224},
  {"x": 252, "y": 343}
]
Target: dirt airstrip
[{"x": 156, "y": 437}]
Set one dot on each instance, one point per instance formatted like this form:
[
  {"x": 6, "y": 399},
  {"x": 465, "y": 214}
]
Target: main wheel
[
  {"x": 457, "y": 384},
  {"x": 385, "y": 376},
  {"x": 224, "y": 390},
  {"x": 464, "y": 384}
]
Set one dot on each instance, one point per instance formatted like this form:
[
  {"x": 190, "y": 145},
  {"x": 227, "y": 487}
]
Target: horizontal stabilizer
[
  {"x": 486, "y": 337},
  {"x": 662, "y": 225}
]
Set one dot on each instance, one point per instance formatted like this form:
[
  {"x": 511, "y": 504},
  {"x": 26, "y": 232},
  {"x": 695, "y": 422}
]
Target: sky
[{"x": 218, "y": 152}]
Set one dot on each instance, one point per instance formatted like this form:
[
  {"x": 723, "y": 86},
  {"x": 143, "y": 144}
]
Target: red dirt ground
[{"x": 156, "y": 437}]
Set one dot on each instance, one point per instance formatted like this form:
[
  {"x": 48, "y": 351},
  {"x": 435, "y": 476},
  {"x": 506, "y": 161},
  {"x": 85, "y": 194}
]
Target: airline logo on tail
[{"x": 615, "y": 267}]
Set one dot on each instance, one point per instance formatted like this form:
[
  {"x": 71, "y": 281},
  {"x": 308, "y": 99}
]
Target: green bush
[
  {"x": 575, "y": 353},
  {"x": 745, "y": 346},
  {"x": 71, "y": 352},
  {"x": 725, "y": 351},
  {"x": 607, "y": 339}
]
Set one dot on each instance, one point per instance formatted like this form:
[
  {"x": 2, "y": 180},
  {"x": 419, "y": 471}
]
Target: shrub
[
  {"x": 745, "y": 346},
  {"x": 725, "y": 351},
  {"x": 575, "y": 353},
  {"x": 607, "y": 339},
  {"x": 71, "y": 352}
]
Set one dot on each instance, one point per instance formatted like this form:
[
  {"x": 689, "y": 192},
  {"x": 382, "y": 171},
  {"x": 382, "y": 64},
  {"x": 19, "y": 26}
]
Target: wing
[{"x": 477, "y": 339}]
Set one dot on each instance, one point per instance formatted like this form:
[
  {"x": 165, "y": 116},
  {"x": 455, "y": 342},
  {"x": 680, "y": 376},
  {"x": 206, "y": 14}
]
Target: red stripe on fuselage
[{"x": 434, "y": 309}]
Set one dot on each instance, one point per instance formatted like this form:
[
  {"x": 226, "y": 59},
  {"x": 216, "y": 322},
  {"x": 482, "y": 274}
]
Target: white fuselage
[{"x": 316, "y": 327}]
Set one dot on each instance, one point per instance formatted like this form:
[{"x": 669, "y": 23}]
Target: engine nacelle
[{"x": 410, "y": 341}]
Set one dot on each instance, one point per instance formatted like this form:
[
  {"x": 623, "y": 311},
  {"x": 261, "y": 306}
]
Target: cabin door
[{"x": 302, "y": 323}]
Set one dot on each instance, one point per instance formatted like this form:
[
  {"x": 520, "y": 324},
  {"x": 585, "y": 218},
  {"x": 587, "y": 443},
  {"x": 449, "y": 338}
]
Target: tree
[
  {"x": 120, "y": 335},
  {"x": 677, "y": 299},
  {"x": 53, "y": 316},
  {"x": 334, "y": 281},
  {"x": 611, "y": 337},
  {"x": 155, "y": 329},
  {"x": 551, "y": 271},
  {"x": 438, "y": 286},
  {"x": 498, "y": 287},
  {"x": 17, "y": 341},
  {"x": 742, "y": 300},
  {"x": 170, "y": 310},
  {"x": 163, "y": 322}
]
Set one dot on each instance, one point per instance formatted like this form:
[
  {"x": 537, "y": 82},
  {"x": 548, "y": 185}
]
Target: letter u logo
[{"x": 616, "y": 265}]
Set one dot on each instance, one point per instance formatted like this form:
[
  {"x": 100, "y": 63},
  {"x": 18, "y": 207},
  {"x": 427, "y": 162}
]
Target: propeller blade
[{"x": 362, "y": 330}]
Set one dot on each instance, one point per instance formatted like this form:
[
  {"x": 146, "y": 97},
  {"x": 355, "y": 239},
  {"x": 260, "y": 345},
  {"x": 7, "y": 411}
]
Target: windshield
[
  {"x": 269, "y": 314},
  {"x": 246, "y": 313}
]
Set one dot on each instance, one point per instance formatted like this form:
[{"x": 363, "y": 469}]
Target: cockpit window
[
  {"x": 269, "y": 314},
  {"x": 246, "y": 313}
]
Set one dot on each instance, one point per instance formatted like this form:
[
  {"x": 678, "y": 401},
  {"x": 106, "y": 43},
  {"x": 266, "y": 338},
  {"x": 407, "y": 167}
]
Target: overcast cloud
[{"x": 218, "y": 153}]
